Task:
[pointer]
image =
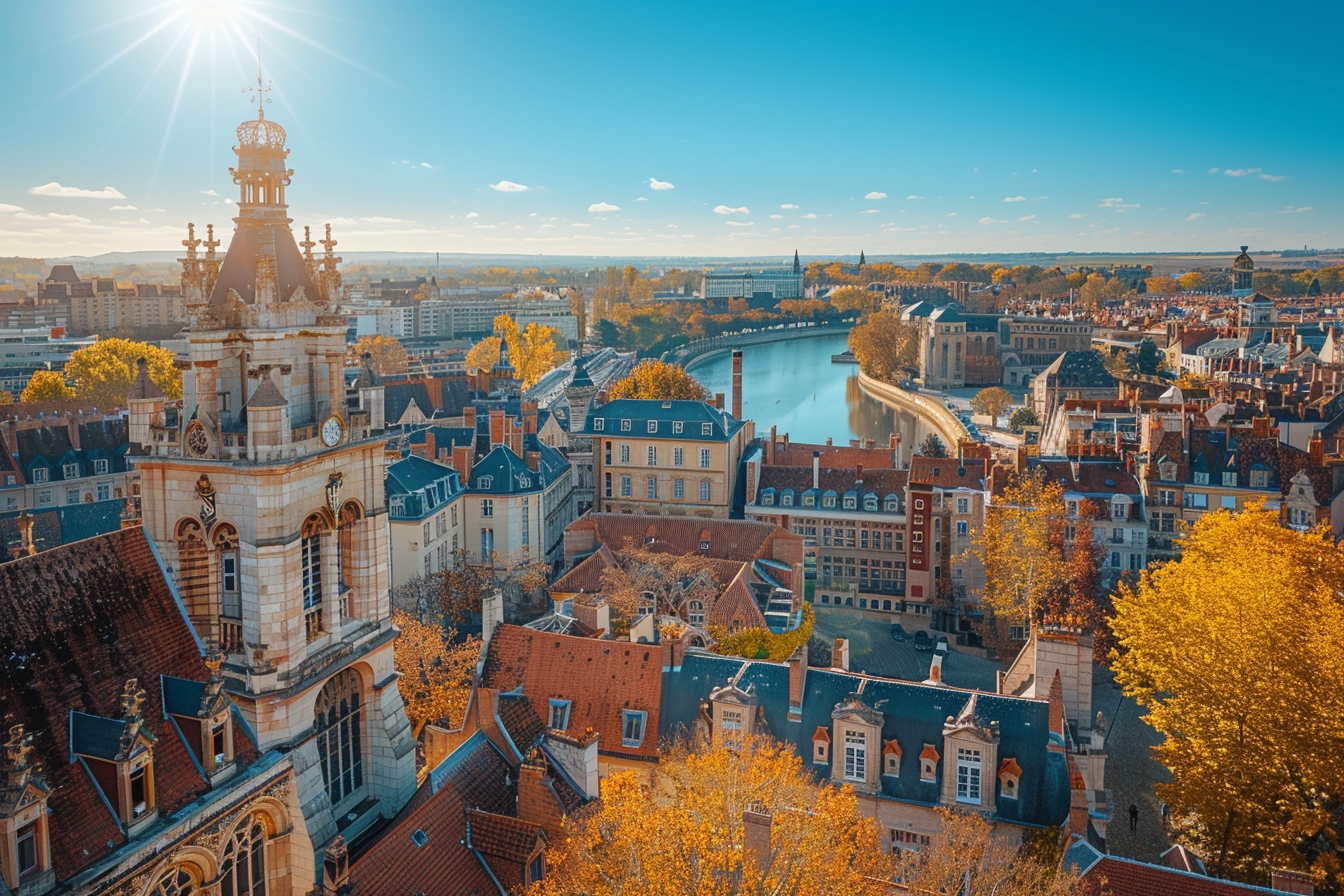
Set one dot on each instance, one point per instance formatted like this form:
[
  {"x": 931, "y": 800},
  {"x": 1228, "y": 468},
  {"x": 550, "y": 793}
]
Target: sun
[{"x": 210, "y": 14}]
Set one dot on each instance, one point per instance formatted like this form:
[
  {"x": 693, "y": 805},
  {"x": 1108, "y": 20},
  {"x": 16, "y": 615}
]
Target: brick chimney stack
[{"x": 737, "y": 383}]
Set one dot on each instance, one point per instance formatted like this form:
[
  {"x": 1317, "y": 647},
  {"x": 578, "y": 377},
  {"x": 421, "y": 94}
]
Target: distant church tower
[
  {"x": 1243, "y": 271},
  {"x": 263, "y": 491},
  {"x": 862, "y": 261},
  {"x": 797, "y": 267}
]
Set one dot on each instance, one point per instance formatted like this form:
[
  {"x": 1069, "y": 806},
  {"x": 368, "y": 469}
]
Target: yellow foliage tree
[
  {"x": 1020, "y": 547},
  {"x": 661, "y": 381},
  {"x": 47, "y": 385},
  {"x": 435, "y": 674},
  {"x": 685, "y": 833},
  {"x": 6, "y": 397},
  {"x": 1235, "y": 652},
  {"x": 531, "y": 349},
  {"x": 853, "y": 298},
  {"x": 993, "y": 402},
  {"x": 388, "y": 354},
  {"x": 1191, "y": 282},
  {"x": 970, "y": 858},
  {"x": 103, "y": 372},
  {"x": 884, "y": 344},
  {"x": 760, "y": 643},
  {"x": 484, "y": 355}
]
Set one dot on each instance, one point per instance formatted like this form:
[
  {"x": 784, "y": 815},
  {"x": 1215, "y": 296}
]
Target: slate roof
[
  {"x": 75, "y": 623},
  {"x": 913, "y": 715},
  {"x": 799, "y": 480},
  {"x": 99, "y": 440},
  {"x": 600, "y": 678},
  {"x": 239, "y": 270},
  {"x": 420, "y": 486},
  {"x": 472, "y": 777},
  {"x": 692, "y": 414},
  {"x": 267, "y": 395},
  {"x": 501, "y": 472},
  {"x": 64, "y": 524},
  {"x": 1079, "y": 370},
  {"x": 397, "y": 397}
]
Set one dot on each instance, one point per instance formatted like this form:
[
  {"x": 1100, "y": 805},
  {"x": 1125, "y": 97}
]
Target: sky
[{"x": 686, "y": 128}]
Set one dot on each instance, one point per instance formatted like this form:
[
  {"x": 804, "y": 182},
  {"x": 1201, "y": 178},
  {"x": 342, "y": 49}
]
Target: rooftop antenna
[{"x": 261, "y": 93}]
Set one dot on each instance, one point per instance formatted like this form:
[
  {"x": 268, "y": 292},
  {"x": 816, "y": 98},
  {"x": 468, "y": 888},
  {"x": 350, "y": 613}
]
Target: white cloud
[
  {"x": 869, "y": 211},
  {"x": 427, "y": 165},
  {"x": 809, "y": 216},
  {"x": 656, "y": 184},
  {"x": 788, "y": 205},
  {"x": 1014, "y": 199},
  {"x": 875, "y": 195},
  {"x": 378, "y": 219},
  {"x": 1076, "y": 216},
  {"x": 1240, "y": 172},
  {"x": 739, "y": 223},
  {"x": 912, "y": 196},
  {"x": 577, "y": 224},
  {"x": 1195, "y": 216},
  {"x": 729, "y": 210},
  {"x": 1117, "y": 203},
  {"x": 641, "y": 199},
  {"x": 985, "y": 221},
  {"x": 1275, "y": 178},
  {"x": 950, "y": 215},
  {"x": 473, "y": 214},
  {"x": 794, "y": 226},
  {"x": 776, "y": 216},
  {"x": 508, "y": 186},
  {"x": 1214, "y": 170},
  {"x": 1027, "y": 218},
  {"x": 228, "y": 200},
  {"x": 203, "y": 193},
  {"x": 55, "y": 189},
  {"x": 72, "y": 219},
  {"x": 603, "y": 207},
  {"x": 5, "y": 209},
  {"x": 155, "y": 209},
  {"x": 144, "y": 220},
  {"x": 1177, "y": 171},
  {"x": 1290, "y": 210},
  {"x": 115, "y": 208}
]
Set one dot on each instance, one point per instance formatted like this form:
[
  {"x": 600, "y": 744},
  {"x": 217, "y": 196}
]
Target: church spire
[
  {"x": 862, "y": 261},
  {"x": 797, "y": 268}
]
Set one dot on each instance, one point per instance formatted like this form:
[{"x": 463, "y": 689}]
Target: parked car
[
  {"x": 898, "y": 633},
  {"x": 923, "y": 641}
]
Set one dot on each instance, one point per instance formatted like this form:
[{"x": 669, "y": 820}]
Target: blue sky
[{"x": 683, "y": 128}]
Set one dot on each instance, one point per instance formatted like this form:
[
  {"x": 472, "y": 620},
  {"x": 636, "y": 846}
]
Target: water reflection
[{"x": 794, "y": 386}]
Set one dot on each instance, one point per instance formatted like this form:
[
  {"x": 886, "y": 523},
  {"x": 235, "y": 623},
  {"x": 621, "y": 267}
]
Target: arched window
[
  {"x": 244, "y": 864},
  {"x": 339, "y": 741},
  {"x": 696, "y": 612},
  {"x": 225, "y": 541},
  {"x": 177, "y": 882},
  {"x": 311, "y": 558},
  {"x": 351, "y": 514}
]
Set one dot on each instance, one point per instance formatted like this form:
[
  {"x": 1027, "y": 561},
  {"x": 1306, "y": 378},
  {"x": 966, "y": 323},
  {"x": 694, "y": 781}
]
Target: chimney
[
  {"x": 757, "y": 823},
  {"x": 858, "y": 473},
  {"x": 497, "y": 427},
  {"x": 816, "y": 469},
  {"x": 770, "y": 448},
  {"x": 718, "y": 400},
  {"x": 935, "y": 670},
  {"x": 469, "y": 417},
  {"x": 840, "y": 654},
  {"x": 595, "y": 615},
  {"x": 335, "y": 868},
  {"x": 492, "y": 616},
  {"x": 534, "y": 460},
  {"x": 737, "y": 383},
  {"x": 797, "y": 681},
  {"x": 1316, "y": 448},
  {"x": 1286, "y": 881},
  {"x": 828, "y": 441},
  {"x": 463, "y": 457}
]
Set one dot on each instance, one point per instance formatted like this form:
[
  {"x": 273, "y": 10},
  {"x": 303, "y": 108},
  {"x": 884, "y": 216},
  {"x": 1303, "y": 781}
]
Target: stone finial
[{"x": 18, "y": 752}]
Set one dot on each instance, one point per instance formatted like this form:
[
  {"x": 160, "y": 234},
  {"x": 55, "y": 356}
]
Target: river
[{"x": 793, "y": 386}]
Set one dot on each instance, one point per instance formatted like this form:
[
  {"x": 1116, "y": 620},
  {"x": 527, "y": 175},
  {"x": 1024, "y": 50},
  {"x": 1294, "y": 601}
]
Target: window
[
  {"x": 426, "y": 538},
  {"x": 653, "y": 426},
  {"x": 678, "y": 457},
  {"x": 1201, "y": 479},
  {"x": 177, "y": 882},
  {"x": 651, "y": 456},
  {"x": 487, "y": 545},
  {"x": 536, "y": 870},
  {"x": 339, "y": 737},
  {"x": 695, "y": 612},
  {"x": 100, "y": 466},
  {"x": 652, "y": 486},
  {"x": 1230, "y": 480},
  {"x": 312, "y": 565},
  {"x": 678, "y": 489},
  {"x": 70, "y": 471},
  {"x": 26, "y": 852},
  {"x": 1228, "y": 502},
  {"x": 1120, "y": 510},
  {"x": 559, "y": 715},
  {"x": 1260, "y": 479},
  {"x": 625, "y": 454},
  {"x": 856, "y": 756},
  {"x": 626, "y": 487},
  {"x": 598, "y": 424},
  {"x": 40, "y": 474},
  {"x": 1197, "y": 501},
  {"x": 963, "y": 527},
  {"x": 141, "y": 791},
  {"x": 72, "y": 496},
  {"x": 706, "y": 429},
  {"x": 704, "y": 457},
  {"x": 786, "y": 499},
  {"x": 488, "y": 507},
  {"x": 228, "y": 584},
  {"x": 527, "y": 522},
  {"x": 677, "y": 426},
  {"x": 851, "y": 502},
  {"x": 632, "y": 727},
  {"x": 963, "y": 505},
  {"x": 704, "y": 490},
  {"x": 244, "y": 865},
  {"x": 104, "y": 491},
  {"x": 606, "y": 484},
  {"x": 968, "y": 775},
  {"x": 625, "y": 426}
]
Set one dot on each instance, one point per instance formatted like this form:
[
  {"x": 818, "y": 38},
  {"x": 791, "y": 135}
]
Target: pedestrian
[{"x": 1133, "y": 818}]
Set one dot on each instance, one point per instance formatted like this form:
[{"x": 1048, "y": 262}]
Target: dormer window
[
  {"x": 928, "y": 763},
  {"x": 870, "y": 503},
  {"x": 25, "y": 849},
  {"x": 850, "y": 502},
  {"x": 1010, "y": 777},
  {"x": 119, "y": 756},
  {"x": 706, "y": 429},
  {"x": 70, "y": 471},
  {"x": 1119, "y": 510},
  {"x": 809, "y": 500},
  {"x": 891, "y": 759},
  {"x": 892, "y": 504},
  {"x": 40, "y": 474},
  {"x": 768, "y": 497},
  {"x": 559, "y": 720},
  {"x": 968, "y": 776},
  {"x": 653, "y": 426},
  {"x": 1259, "y": 479},
  {"x": 1201, "y": 478},
  {"x": 677, "y": 426},
  {"x": 856, "y": 755},
  {"x": 786, "y": 499},
  {"x": 1230, "y": 479},
  {"x": 100, "y": 466},
  {"x": 1167, "y": 471},
  {"x": 625, "y": 426},
  {"x": 632, "y": 727},
  {"x": 828, "y": 502},
  {"x": 821, "y": 746},
  {"x": 202, "y": 715},
  {"x": 598, "y": 424}
]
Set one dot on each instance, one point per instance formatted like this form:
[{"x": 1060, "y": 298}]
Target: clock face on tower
[{"x": 332, "y": 430}]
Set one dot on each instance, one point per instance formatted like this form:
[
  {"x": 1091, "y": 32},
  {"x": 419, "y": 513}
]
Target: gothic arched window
[
  {"x": 177, "y": 882},
  {"x": 225, "y": 539},
  {"x": 244, "y": 864},
  {"x": 339, "y": 741}
]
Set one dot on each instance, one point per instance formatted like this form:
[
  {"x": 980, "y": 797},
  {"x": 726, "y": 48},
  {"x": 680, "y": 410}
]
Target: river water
[{"x": 794, "y": 386}]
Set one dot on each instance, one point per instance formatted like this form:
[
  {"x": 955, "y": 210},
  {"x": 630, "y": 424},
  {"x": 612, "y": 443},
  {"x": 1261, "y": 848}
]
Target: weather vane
[{"x": 261, "y": 92}]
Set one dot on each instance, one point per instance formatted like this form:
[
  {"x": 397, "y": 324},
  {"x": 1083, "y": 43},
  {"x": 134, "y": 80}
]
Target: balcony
[{"x": 312, "y": 623}]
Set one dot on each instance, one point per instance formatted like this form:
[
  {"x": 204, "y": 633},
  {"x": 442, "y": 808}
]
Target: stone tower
[
  {"x": 1243, "y": 273},
  {"x": 263, "y": 491}
]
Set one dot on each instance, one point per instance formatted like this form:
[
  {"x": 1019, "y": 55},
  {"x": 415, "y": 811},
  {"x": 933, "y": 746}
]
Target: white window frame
[
  {"x": 633, "y": 723},
  {"x": 970, "y": 773},
  {"x": 856, "y": 755}
]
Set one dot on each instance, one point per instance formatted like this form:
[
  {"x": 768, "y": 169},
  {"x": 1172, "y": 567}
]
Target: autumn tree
[
  {"x": 388, "y": 355},
  {"x": 971, "y": 857},
  {"x": 853, "y": 298},
  {"x": 1020, "y": 548},
  {"x": 435, "y": 675},
  {"x": 103, "y": 372},
  {"x": 464, "y": 585},
  {"x": 661, "y": 381},
  {"x": 993, "y": 402},
  {"x": 884, "y": 345},
  {"x": 6, "y": 397},
  {"x": 531, "y": 349},
  {"x": 683, "y": 832},
  {"x": 763, "y": 644},
  {"x": 668, "y": 582},
  {"x": 47, "y": 385},
  {"x": 1022, "y": 418},
  {"x": 1191, "y": 282},
  {"x": 1163, "y": 285},
  {"x": 1234, "y": 651},
  {"x": 484, "y": 355},
  {"x": 804, "y": 307}
]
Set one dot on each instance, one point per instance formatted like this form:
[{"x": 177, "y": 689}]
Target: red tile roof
[
  {"x": 883, "y": 482},
  {"x": 740, "y": 540},
  {"x": 600, "y": 678},
  {"x": 948, "y": 472},
  {"x": 1124, "y": 877},
  {"x": 75, "y": 623},
  {"x": 500, "y": 836},
  {"x": 472, "y": 777}
]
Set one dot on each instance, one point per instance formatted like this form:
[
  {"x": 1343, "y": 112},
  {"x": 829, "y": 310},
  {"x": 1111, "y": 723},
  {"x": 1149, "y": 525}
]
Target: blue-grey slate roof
[
  {"x": 501, "y": 472},
  {"x": 640, "y": 411}
]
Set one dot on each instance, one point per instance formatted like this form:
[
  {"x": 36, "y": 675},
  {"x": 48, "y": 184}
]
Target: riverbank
[
  {"x": 932, "y": 412},
  {"x": 694, "y": 353}
]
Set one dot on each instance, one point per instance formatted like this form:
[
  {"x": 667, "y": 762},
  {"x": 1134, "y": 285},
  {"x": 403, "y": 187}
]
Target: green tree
[
  {"x": 932, "y": 446},
  {"x": 993, "y": 402},
  {"x": 1022, "y": 418},
  {"x": 1146, "y": 359},
  {"x": 1234, "y": 651}
]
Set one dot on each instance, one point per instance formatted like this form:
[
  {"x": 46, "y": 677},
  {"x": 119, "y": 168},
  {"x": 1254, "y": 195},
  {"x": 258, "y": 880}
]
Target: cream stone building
[{"x": 263, "y": 491}]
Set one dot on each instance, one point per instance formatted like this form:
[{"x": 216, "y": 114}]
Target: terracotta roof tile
[
  {"x": 524, "y": 726},
  {"x": 502, "y": 837},
  {"x": 600, "y": 678},
  {"x": 740, "y": 540},
  {"x": 1124, "y": 877},
  {"x": 841, "y": 480},
  {"x": 947, "y": 472}
]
